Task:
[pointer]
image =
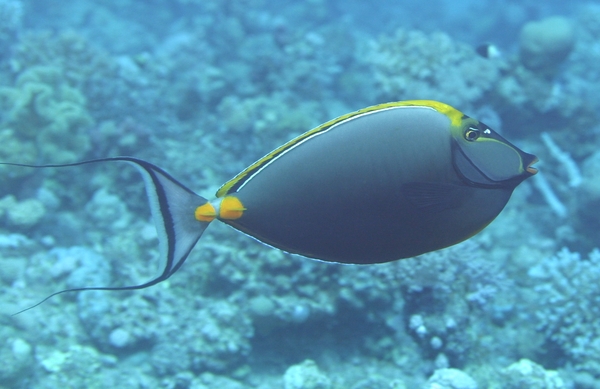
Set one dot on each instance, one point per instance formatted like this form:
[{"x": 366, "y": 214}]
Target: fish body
[
  {"x": 374, "y": 187},
  {"x": 383, "y": 183},
  {"x": 488, "y": 50}
]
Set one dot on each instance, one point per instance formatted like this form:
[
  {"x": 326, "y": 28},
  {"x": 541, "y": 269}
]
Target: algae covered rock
[
  {"x": 546, "y": 43},
  {"x": 527, "y": 374},
  {"x": 305, "y": 375}
]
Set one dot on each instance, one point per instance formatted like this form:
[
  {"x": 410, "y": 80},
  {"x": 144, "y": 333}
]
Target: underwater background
[{"x": 203, "y": 88}]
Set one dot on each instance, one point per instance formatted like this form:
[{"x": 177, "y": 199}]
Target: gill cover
[{"x": 484, "y": 158}]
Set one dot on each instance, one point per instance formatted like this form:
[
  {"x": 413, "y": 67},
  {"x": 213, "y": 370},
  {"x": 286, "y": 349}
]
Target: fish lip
[{"x": 530, "y": 169}]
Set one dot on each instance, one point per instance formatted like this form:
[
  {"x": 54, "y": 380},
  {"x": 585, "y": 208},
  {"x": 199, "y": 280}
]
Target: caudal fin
[{"x": 172, "y": 206}]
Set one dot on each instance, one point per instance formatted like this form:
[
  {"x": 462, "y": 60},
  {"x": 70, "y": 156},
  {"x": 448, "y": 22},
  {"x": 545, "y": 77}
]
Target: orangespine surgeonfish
[{"x": 383, "y": 183}]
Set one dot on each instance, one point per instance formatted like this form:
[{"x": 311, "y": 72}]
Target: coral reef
[
  {"x": 305, "y": 375},
  {"x": 567, "y": 298},
  {"x": 23, "y": 214},
  {"x": 545, "y": 84},
  {"x": 414, "y": 65},
  {"x": 527, "y": 374},
  {"x": 546, "y": 43},
  {"x": 11, "y": 15},
  {"x": 17, "y": 357},
  {"x": 450, "y": 379},
  {"x": 45, "y": 111},
  {"x": 203, "y": 88}
]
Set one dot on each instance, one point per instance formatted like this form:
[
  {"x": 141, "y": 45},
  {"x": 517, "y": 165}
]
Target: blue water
[{"x": 205, "y": 88}]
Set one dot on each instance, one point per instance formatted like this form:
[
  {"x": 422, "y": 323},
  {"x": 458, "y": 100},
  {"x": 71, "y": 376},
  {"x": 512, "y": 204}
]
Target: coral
[
  {"x": 415, "y": 65},
  {"x": 305, "y": 375},
  {"x": 261, "y": 306},
  {"x": 583, "y": 74},
  {"x": 12, "y": 244},
  {"x": 281, "y": 293},
  {"x": 102, "y": 317},
  {"x": 292, "y": 286},
  {"x": 209, "y": 381},
  {"x": 209, "y": 92},
  {"x": 545, "y": 44},
  {"x": 376, "y": 382},
  {"x": 591, "y": 177},
  {"x": 47, "y": 112},
  {"x": 549, "y": 195},
  {"x": 441, "y": 291},
  {"x": 531, "y": 94},
  {"x": 568, "y": 299},
  {"x": 562, "y": 91},
  {"x": 17, "y": 357},
  {"x": 78, "y": 62},
  {"x": 223, "y": 336},
  {"x": 527, "y": 374},
  {"x": 588, "y": 201},
  {"x": 11, "y": 15},
  {"x": 450, "y": 379},
  {"x": 560, "y": 176},
  {"x": 23, "y": 214},
  {"x": 564, "y": 158},
  {"x": 84, "y": 367},
  {"x": 216, "y": 337},
  {"x": 15, "y": 149},
  {"x": 80, "y": 266},
  {"x": 568, "y": 183},
  {"x": 80, "y": 84},
  {"x": 107, "y": 211},
  {"x": 269, "y": 120},
  {"x": 119, "y": 338}
]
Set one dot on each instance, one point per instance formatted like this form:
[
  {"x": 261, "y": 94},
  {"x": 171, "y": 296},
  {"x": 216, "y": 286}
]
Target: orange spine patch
[
  {"x": 231, "y": 208},
  {"x": 205, "y": 213}
]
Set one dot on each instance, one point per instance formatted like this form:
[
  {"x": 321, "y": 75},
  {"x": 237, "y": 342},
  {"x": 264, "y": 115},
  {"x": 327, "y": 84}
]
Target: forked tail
[{"x": 172, "y": 206}]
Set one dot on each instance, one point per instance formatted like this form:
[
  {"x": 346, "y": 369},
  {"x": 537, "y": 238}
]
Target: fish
[
  {"x": 383, "y": 183},
  {"x": 488, "y": 50}
]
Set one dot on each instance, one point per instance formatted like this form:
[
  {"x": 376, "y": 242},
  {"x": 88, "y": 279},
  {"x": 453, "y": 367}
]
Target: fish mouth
[{"x": 530, "y": 169}]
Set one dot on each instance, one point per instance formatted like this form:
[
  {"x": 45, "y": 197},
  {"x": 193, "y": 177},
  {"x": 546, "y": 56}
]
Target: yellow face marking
[
  {"x": 232, "y": 185},
  {"x": 205, "y": 213},
  {"x": 231, "y": 208}
]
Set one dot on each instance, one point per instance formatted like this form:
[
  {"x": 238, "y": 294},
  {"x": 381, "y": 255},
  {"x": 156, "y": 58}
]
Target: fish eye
[{"x": 472, "y": 134}]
